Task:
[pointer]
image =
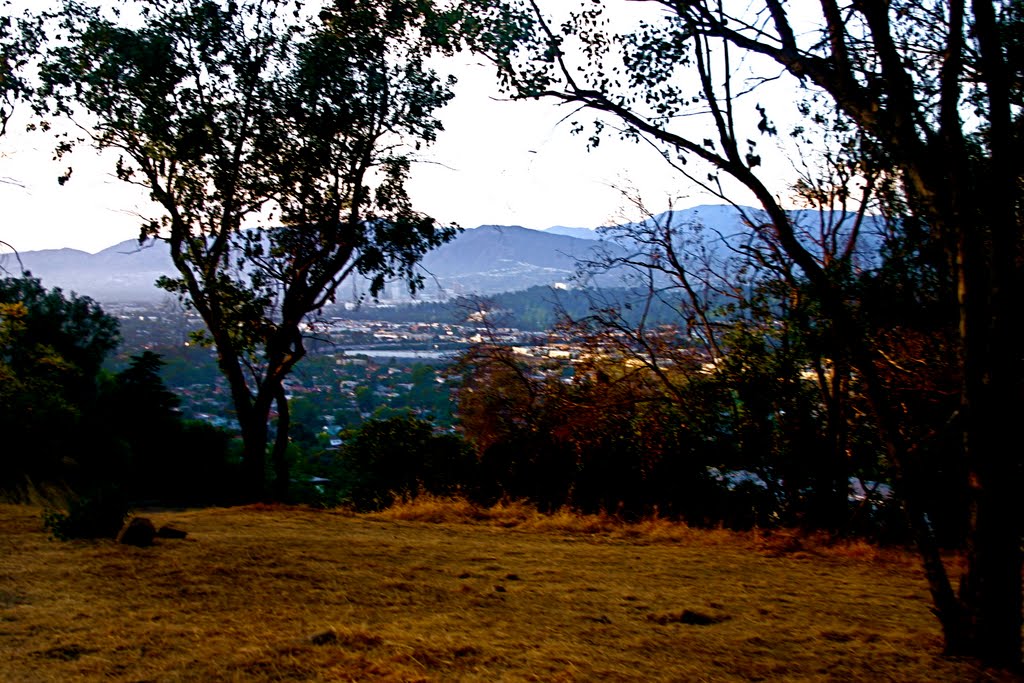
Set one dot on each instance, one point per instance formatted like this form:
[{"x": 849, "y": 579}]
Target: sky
[{"x": 498, "y": 162}]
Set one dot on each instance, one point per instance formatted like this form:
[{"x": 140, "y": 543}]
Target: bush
[
  {"x": 401, "y": 457},
  {"x": 99, "y": 514}
]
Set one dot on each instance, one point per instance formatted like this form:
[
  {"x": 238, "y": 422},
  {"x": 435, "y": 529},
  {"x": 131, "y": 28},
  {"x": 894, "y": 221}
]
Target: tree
[
  {"x": 401, "y": 457},
  {"x": 74, "y": 327},
  {"x": 166, "y": 459},
  {"x": 51, "y": 349},
  {"x": 94, "y": 438},
  {"x": 604, "y": 434},
  {"x": 242, "y": 115},
  {"x": 20, "y": 38},
  {"x": 738, "y": 312},
  {"x": 933, "y": 89},
  {"x": 140, "y": 385}
]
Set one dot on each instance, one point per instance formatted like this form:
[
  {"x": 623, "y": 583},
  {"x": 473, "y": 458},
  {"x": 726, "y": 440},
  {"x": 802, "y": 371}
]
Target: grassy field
[{"x": 439, "y": 592}]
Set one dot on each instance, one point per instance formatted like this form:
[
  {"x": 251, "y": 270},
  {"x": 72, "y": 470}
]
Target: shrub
[
  {"x": 399, "y": 458},
  {"x": 98, "y": 514}
]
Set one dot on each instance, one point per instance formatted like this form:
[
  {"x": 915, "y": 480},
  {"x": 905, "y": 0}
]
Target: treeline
[
  {"x": 729, "y": 396},
  {"x": 744, "y": 442},
  {"x": 772, "y": 432}
]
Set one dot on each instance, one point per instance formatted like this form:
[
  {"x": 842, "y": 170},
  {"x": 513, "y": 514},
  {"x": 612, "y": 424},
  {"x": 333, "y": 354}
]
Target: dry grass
[
  {"x": 445, "y": 591},
  {"x": 525, "y": 517}
]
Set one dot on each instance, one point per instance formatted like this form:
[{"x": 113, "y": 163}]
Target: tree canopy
[{"x": 19, "y": 41}]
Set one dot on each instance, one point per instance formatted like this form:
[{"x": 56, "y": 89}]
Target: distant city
[{"x": 356, "y": 368}]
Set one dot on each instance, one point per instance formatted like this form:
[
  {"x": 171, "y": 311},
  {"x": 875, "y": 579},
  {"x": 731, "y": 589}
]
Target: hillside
[{"x": 268, "y": 594}]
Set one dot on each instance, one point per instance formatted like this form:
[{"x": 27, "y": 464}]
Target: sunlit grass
[{"x": 443, "y": 590}]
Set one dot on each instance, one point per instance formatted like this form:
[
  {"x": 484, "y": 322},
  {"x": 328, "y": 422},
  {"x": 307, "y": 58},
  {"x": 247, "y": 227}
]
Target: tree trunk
[
  {"x": 989, "y": 326},
  {"x": 282, "y": 474},
  {"x": 988, "y": 241},
  {"x": 254, "y": 454},
  {"x": 991, "y": 588},
  {"x": 252, "y": 422},
  {"x": 908, "y": 480},
  {"x": 837, "y": 466}
]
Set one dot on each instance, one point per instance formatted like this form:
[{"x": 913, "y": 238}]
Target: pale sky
[{"x": 498, "y": 162}]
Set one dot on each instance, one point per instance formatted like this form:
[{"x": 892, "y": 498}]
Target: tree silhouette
[
  {"x": 277, "y": 146},
  {"x": 19, "y": 42}
]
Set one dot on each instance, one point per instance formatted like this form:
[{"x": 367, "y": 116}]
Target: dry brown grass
[
  {"x": 443, "y": 591},
  {"x": 525, "y": 517}
]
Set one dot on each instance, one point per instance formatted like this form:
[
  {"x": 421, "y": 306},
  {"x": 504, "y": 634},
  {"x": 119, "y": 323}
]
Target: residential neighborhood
[{"x": 355, "y": 369}]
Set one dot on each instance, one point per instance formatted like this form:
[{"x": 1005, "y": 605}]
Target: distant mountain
[
  {"x": 496, "y": 258},
  {"x": 121, "y": 273},
  {"x": 724, "y": 231},
  {"x": 579, "y": 233},
  {"x": 486, "y": 260}
]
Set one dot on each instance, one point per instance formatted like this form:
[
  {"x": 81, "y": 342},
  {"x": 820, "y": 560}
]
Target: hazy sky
[{"x": 498, "y": 162}]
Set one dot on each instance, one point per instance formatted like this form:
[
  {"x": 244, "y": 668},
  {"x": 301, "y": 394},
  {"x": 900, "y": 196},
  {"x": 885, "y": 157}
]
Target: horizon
[{"x": 5, "y": 250}]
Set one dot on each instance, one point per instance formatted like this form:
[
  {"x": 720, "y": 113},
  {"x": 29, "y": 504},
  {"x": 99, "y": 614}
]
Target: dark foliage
[
  {"x": 99, "y": 513},
  {"x": 400, "y": 458},
  {"x": 51, "y": 348},
  {"x": 166, "y": 459},
  {"x": 70, "y": 426}
]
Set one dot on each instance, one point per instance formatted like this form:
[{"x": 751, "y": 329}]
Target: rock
[
  {"x": 324, "y": 637},
  {"x": 170, "y": 532},
  {"x": 139, "y": 531},
  {"x": 688, "y": 617}
]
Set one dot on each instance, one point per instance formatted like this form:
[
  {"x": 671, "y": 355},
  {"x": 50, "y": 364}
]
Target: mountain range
[{"x": 485, "y": 260}]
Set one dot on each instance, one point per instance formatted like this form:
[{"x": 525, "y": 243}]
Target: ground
[{"x": 428, "y": 594}]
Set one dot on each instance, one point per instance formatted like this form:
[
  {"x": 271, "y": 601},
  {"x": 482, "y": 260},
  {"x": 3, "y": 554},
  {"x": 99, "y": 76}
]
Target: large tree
[
  {"x": 933, "y": 89},
  {"x": 277, "y": 146}
]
